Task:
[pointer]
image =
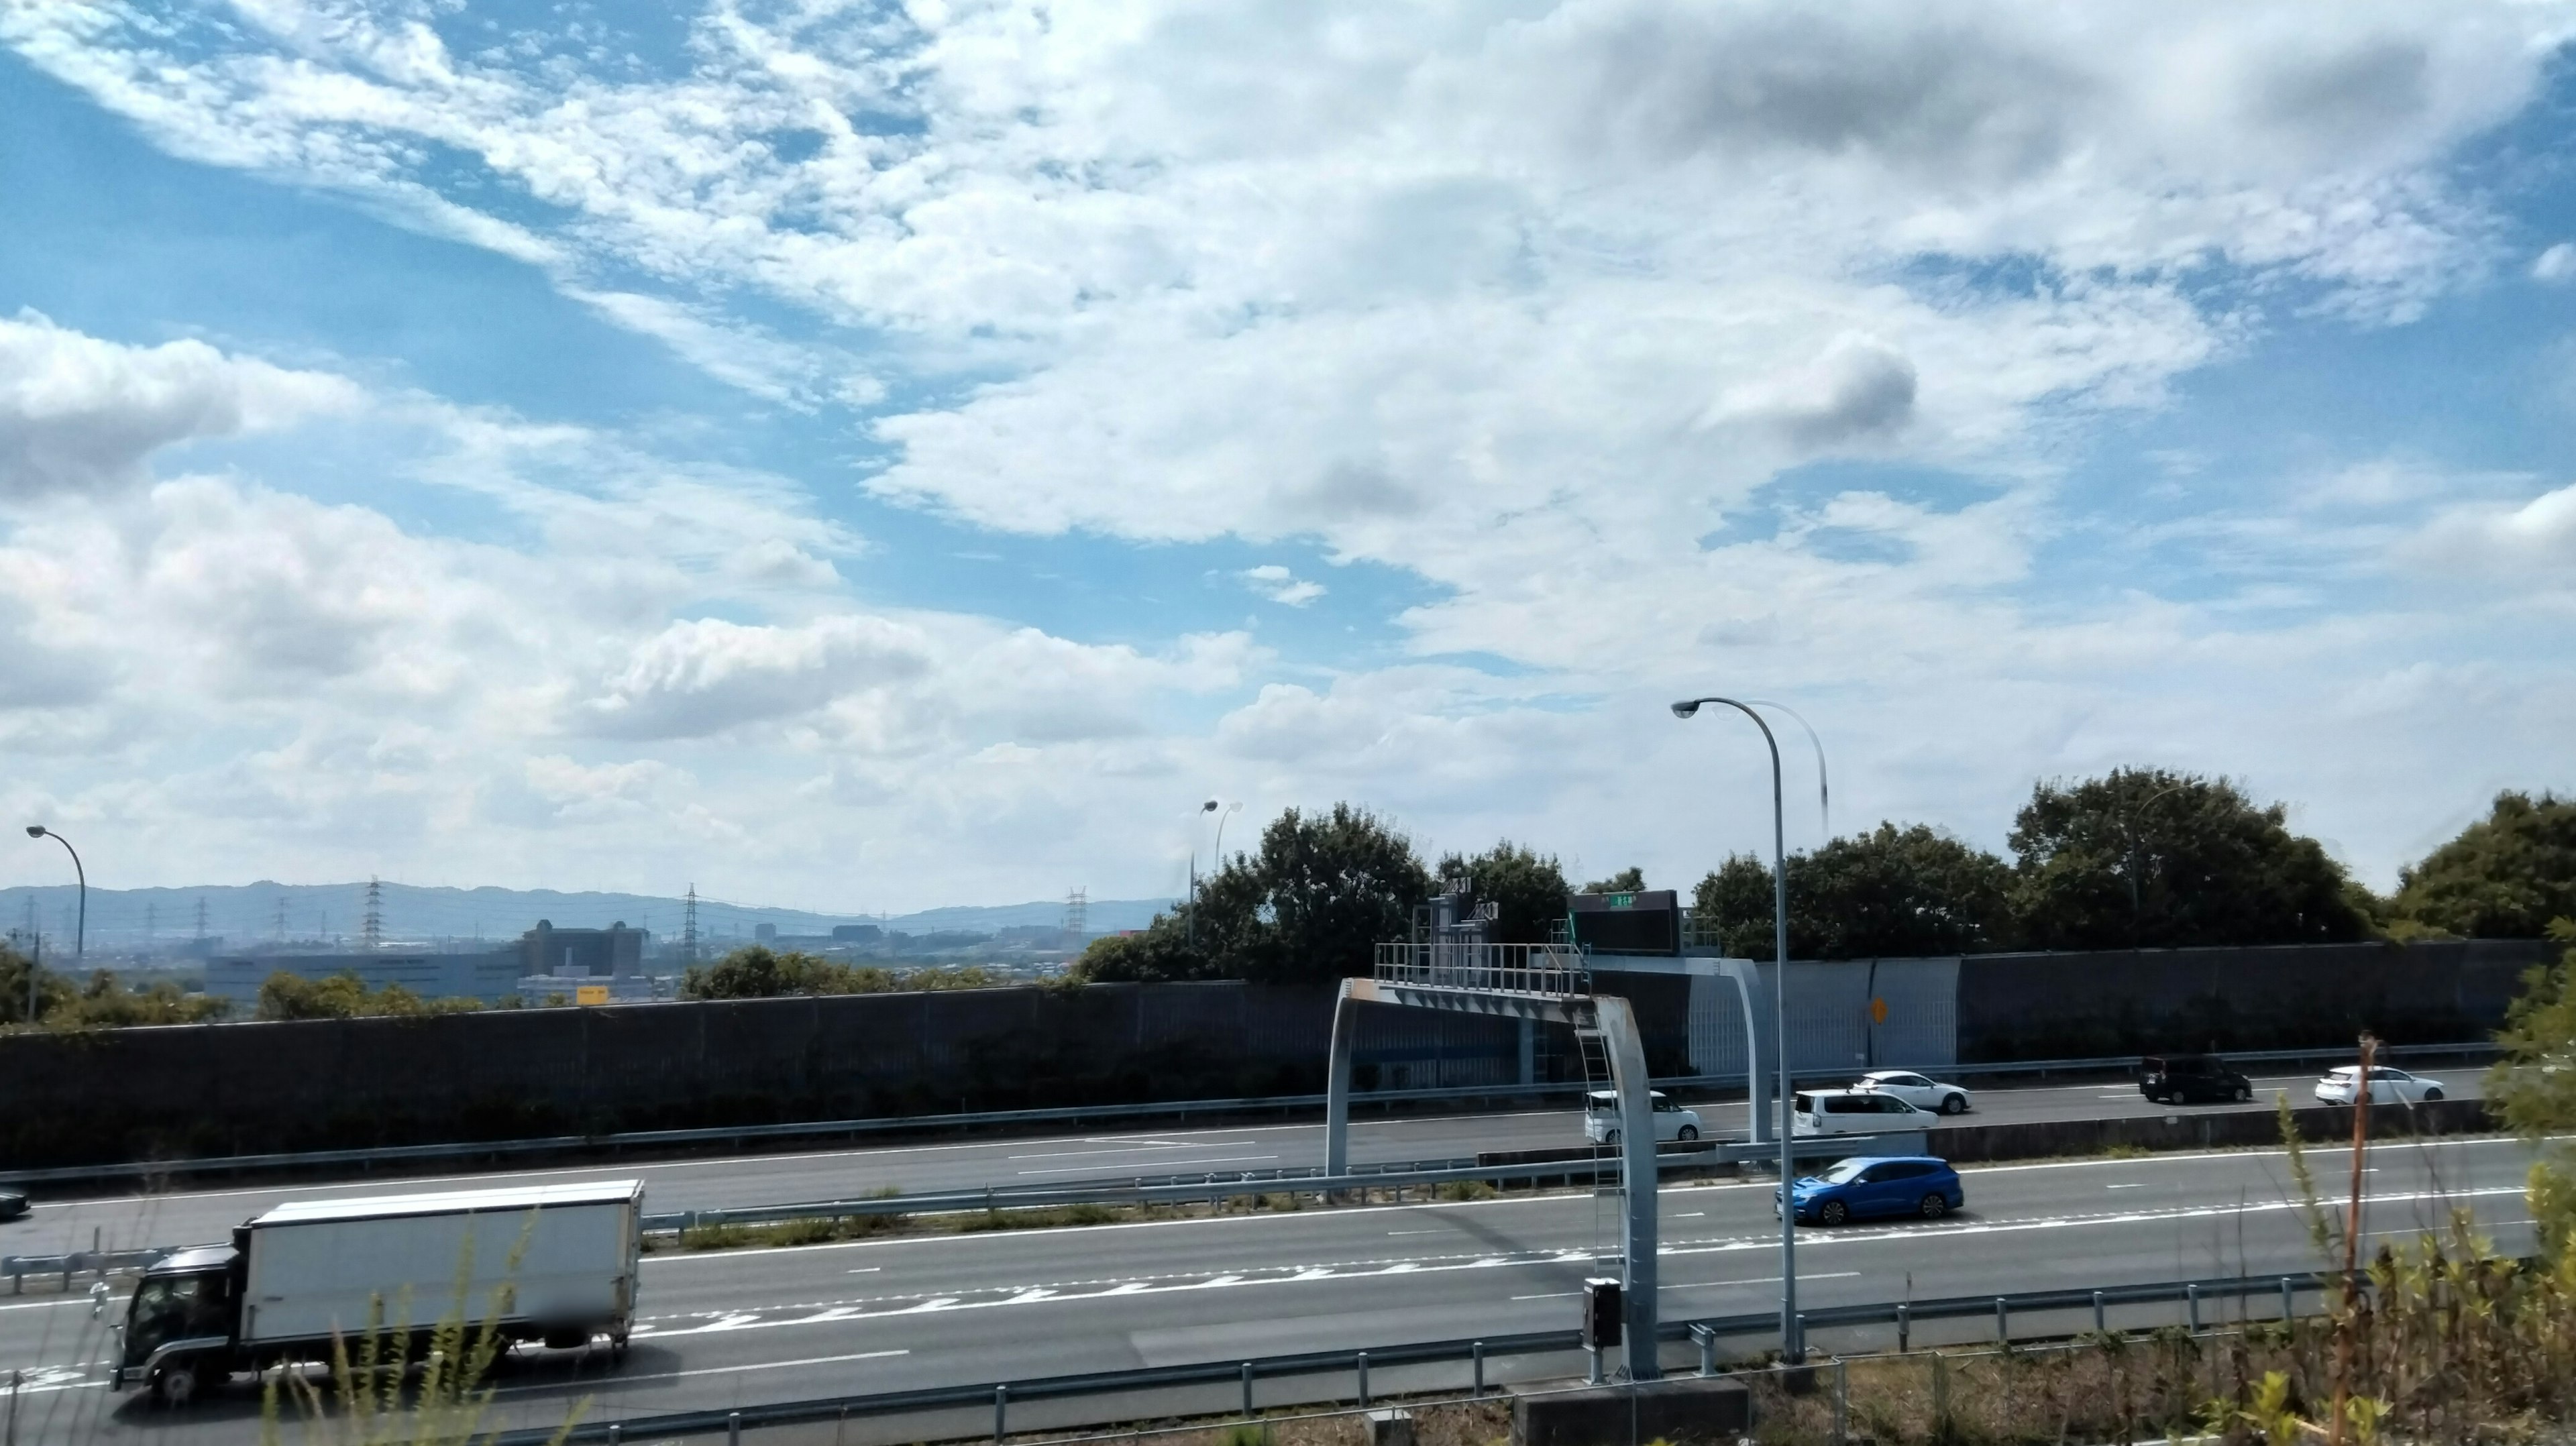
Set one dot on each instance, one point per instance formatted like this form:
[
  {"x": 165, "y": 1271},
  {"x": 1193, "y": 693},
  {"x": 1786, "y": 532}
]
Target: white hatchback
[
  {"x": 1854, "y": 1112},
  {"x": 1920, "y": 1091},
  {"x": 2387, "y": 1086},
  {"x": 1601, "y": 1118}
]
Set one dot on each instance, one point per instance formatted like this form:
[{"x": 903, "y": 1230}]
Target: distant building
[
  {"x": 856, "y": 933},
  {"x": 487, "y": 976},
  {"x": 595, "y": 953}
]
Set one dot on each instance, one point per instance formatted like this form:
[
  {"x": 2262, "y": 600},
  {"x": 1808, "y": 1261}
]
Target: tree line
[{"x": 2136, "y": 858}]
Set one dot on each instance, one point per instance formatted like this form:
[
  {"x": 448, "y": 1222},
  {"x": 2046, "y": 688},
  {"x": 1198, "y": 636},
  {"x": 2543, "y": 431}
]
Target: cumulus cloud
[
  {"x": 1280, "y": 585},
  {"x": 2482, "y": 539},
  {"x": 707, "y": 675},
  {"x": 79, "y": 414},
  {"x": 1860, "y": 389},
  {"x": 2555, "y": 265}
]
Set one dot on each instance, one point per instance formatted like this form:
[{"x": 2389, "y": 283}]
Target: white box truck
[{"x": 302, "y": 1275}]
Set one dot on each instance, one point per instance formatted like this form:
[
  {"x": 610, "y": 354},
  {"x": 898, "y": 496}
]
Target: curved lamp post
[
  {"x": 1217, "y": 860},
  {"x": 1196, "y": 814},
  {"x": 80, "y": 932},
  {"x": 1793, "y": 1345}
]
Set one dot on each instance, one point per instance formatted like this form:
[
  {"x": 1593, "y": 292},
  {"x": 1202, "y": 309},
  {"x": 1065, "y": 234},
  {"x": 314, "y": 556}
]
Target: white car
[
  {"x": 1854, "y": 1112},
  {"x": 1601, "y": 1118},
  {"x": 2387, "y": 1086},
  {"x": 1920, "y": 1091}
]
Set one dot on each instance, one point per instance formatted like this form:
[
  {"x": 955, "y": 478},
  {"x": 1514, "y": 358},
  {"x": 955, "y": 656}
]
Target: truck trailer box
[{"x": 561, "y": 1256}]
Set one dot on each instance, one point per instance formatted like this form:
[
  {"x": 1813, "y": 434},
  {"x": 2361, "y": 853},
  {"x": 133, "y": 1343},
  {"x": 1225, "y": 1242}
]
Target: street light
[
  {"x": 1793, "y": 1345},
  {"x": 1231, "y": 810},
  {"x": 80, "y": 934},
  {"x": 1202, "y": 811}
]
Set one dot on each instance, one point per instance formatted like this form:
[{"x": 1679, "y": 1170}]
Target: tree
[
  {"x": 1526, "y": 888},
  {"x": 2145, "y": 858},
  {"x": 345, "y": 996},
  {"x": 53, "y": 991},
  {"x": 1309, "y": 906},
  {"x": 1334, "y": 886},
  {"x": 2505, "y": 877},
  {"x": 1630, "y": 880},
  {"x": 757, "y": 971},
  {"x": 1888, "y": 893}
]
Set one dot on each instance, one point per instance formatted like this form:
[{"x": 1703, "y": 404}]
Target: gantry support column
[{"x": 1627, "y": 1052}]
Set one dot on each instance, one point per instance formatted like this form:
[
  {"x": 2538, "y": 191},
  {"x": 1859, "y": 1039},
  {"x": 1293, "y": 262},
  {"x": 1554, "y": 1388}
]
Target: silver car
[{"x": 2387, "y": 1086}]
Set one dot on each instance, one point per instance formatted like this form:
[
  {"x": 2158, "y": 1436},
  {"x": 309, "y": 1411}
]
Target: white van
[
  {"x": 1601, "y": 1118},
  {"x": 1854, "y": 1112}
]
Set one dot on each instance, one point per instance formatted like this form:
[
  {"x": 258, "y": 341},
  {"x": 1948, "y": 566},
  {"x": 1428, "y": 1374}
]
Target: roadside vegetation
[
  {"x": 759, "y": 972},
  {"x": 2136, "y": 858},
  {"x": 102, "y": 1003}
]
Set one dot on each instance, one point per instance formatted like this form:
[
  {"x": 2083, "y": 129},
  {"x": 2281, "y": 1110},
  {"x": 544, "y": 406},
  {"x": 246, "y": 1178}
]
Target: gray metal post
[
  {"x": 1337, "y": 1084},
  {"x": 2191, "y": 1302},
  {"x": 2003, "y": 1324},
  {"x": 1363, "y": 1373},
  {"x": 1842, "y": 1401},
  {"x": 2098, "y": 1327},
  {"x": 1706, "y": 1339},
  {"x": 1476, "y": 1353},
  {"x": 2287, "y": 1307},
  {"x": 1904, "y": 1326},
  {"x": 616, "y": 1432},
  {"x": 1627, "y": 1052},
  {"x": 733, "y": 1428},
  {"x": 1247, "y": 1390},
  {"x": 1001, "y": 1411}
]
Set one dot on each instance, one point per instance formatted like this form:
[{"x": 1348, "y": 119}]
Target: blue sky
[{"x": 868, "y": 458}]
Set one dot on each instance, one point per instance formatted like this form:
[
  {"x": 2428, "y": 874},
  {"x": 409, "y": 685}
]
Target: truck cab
[{"x": 179, "y": 1325}]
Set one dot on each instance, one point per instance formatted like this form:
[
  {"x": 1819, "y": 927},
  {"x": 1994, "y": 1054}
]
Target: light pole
[
  {"x": 1231, "y": 809},
  {"x": 80, "y": 932},
  {"x": 2129, "y": 828},
  {"x": 1793, "y": 1345},
  {"x": 1202, "y": 811}
]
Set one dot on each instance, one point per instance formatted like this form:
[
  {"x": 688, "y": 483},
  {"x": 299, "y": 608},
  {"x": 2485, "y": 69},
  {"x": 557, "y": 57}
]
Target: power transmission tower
[
  {"x": 1077, "y": 915},
  {"x": 371, "y": 932},
  {"x": 689, "y": 927},
  {"x": 201, "y": 916},
  {"x": 151, "y": 924}
]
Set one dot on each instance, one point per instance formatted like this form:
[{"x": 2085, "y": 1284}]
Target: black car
[
  {"x": 2183, "y": 1079},
  {"x": 13, "y": 1202}
]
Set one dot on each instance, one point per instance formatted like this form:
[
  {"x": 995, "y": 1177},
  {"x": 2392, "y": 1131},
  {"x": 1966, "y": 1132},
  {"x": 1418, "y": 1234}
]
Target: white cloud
[
  {"x": 1280, "y": 585},
  {"x": 2556, "y": 264},
  {"x": 79, "y": 414}
]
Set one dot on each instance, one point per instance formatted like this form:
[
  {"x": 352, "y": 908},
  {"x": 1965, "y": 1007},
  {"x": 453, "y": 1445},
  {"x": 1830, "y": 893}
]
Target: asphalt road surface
[
  {"x": 731, "y": 1328},
  {"x": 117, "y": 1220}
]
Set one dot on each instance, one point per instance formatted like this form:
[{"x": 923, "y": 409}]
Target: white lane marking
[
  {"x": 863, "y": 1270},
  {"x": 2191, "y": 1156},
  {"x": 1132, "y": 1149},
  {"x": 1415, "y": 1232},
  {"x": 1690, "y": 1215},
  {"x": 620, "y": 1380},
  {"x": 1158, "y": 1164},
  {"x": 2133, "y": 1185},
  {"x": 50, "y": 1304}
]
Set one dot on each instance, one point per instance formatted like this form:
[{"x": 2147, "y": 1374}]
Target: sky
[{"x": 875, "y": 456}]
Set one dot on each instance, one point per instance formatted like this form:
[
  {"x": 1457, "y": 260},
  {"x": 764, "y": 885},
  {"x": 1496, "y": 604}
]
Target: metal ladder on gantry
[{"x": 1550, "y": 982}]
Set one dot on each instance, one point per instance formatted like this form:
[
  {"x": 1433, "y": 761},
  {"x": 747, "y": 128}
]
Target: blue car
[{"x": 1876, "y": 1185}]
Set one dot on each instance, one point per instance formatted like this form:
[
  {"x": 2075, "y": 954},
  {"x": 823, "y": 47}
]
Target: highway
[
  {"x": 725, "y": 1329},
  {"x": 119, "y": 1220}
]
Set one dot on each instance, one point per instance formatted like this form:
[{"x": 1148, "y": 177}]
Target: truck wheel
[{"x": 176, "y": 1384}]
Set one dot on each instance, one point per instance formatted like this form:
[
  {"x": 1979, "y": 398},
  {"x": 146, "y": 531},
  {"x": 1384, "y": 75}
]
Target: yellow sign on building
[{"x": 590, "y": 994}]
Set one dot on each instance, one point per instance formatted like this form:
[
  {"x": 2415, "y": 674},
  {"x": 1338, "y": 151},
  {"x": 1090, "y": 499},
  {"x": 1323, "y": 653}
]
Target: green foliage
[
  {"x": 344, "y": 996},
  {"x": 757, "y": 971},
  {"x": 2505, "y": 877},
  {"x": 1310, "y": 906},
  {"x": 2533, "y": 1088},
  {"x": 1888, "y": 893},
  {"x": 102, "y": 1003},
  {"x": 1630, "y": 880},
  {"x": 2147, "y": 858},
  {"x": 1526, "y": 887}
]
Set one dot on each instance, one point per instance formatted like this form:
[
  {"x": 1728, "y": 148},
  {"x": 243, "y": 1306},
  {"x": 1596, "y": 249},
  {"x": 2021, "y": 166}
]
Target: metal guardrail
[
  {"x": 1705, "y": 1331},
  {"x": 1233, "y": 1184},
  {"x": 79, "y": 1262},
  {"x": 1077, "y": 1114}
]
